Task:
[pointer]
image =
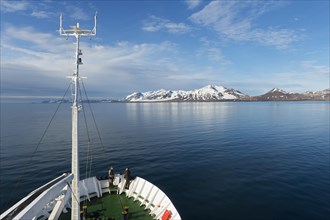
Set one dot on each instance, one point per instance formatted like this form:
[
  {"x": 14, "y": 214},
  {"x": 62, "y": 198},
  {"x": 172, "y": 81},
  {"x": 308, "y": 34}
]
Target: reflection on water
[{"x": 201, "y": 114}]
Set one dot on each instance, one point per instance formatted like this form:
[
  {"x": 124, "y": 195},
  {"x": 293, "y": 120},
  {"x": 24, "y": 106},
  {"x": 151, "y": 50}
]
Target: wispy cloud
[
  {"x": 31, "y": 38},
  {"x": 236, "y": 20},
  {"x": 23, "y": 51},
  {"x": 193, "y": 3},
  {"x": 12, "y": 6},
  {"x": 27, "y": 8},
  {"x": 212, "y": 51},
  {"x": 123, "y": 67},
  {"x": 305, "y": 75},
  {"x": 77, "y": 13},
  {"x": 154, "y": 23},
  {"x": 41, "y": 14},
  {"x": 313, "y": 68},
  {"x": 113, "y": 70}
]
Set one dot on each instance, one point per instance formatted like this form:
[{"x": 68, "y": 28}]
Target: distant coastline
[{"x": 206, "y": 94}]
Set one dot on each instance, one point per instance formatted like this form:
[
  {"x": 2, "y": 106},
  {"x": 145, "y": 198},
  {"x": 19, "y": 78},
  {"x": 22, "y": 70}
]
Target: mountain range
[
  {"x": 220, "y": 93},
  {"x": 210, "y": 93}
]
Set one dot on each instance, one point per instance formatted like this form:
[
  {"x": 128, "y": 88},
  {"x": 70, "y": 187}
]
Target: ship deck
[{"x": 111, "y": 207}]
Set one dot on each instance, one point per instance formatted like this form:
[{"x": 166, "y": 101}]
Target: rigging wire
[
  {"x": 97, "y": 129},
  {"x": 90, "y": 107},
  {"x": 74, "y": 195},
  {"x": 88, "y": 153},
  {"x": 88, "y": 135},
  {"x": 19, "y": 179}
]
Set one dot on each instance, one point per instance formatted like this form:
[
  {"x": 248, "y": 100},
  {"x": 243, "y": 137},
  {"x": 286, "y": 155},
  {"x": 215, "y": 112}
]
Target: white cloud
[
  {"x": 13, "y": 6},
  {"x": 215, "y": 54},
  {"x": 236, "y": 20},
  {"x": 313, "y": 68},
  {"x": 193, "y": 3},
  {"x": 24, "y": 51},
  {"x": 37, "y": 61},
  {"x": 40, "y": 14},
  {"x": 33, "y": 39},
  {"x": 154, "y": 24},
  {"x": 111, "y": 70},
  {"x": 123, "y": 67},
  {"x": 212, "y": 51},
  {"x": 78, "y": 13}
]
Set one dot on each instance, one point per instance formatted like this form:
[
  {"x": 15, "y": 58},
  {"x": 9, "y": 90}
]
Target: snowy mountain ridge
[
  {"x": 207, "y": 93},
  {"x": 281, "y": 95},
  {"x": 278, "y": 90},
  {"x": 221, "y": 93}
]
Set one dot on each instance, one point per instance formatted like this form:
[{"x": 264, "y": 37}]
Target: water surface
[{"x": 222, "y": 160}]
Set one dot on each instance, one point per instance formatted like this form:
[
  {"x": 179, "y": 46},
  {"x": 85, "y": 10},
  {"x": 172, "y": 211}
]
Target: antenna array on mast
[{"x": 76, "y": 31}]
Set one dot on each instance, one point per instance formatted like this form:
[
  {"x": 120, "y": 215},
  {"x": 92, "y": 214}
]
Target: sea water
[{"x": 217, "y": 160}]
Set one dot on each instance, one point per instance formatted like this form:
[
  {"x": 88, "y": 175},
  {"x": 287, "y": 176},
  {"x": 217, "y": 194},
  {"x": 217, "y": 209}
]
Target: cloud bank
[{"x": 154, "y": 23}]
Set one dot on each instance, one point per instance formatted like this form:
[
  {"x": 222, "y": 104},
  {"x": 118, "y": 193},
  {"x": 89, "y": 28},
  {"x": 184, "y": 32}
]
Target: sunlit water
[{"x": 214, "y": 160}]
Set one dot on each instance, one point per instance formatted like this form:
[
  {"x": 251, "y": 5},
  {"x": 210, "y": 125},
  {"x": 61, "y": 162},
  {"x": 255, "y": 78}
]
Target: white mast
[{"x": 76, "y": 32}]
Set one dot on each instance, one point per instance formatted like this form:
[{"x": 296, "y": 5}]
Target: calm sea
[{"x": 221, "y": 160}]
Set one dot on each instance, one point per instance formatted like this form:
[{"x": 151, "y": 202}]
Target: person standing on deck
[
  {"x": 111, "y": 176},
  {"x": 127, "y": 176}
]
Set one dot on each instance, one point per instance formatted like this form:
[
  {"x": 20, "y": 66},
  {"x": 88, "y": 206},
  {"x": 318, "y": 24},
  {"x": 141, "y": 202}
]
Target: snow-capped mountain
[
  {"x": 323, "y": 92},
  {"x": 319, "y": 95},
  {"x": 207, "y": 93},
  {"x": 281, "y": 95},
  {"x": 277, "y": 90},
  {"x": 275, "y": 94}
]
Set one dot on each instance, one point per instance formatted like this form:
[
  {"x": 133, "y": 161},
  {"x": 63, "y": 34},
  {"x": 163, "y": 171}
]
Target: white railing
[
  {"x": 37, "y": 205},
  {"x": 152, "y": 198},
  {"x": 51, "y": 202}
]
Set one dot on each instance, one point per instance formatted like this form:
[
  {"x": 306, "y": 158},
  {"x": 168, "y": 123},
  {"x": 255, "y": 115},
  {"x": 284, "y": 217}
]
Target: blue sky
[{"x": 251, "y": 46}]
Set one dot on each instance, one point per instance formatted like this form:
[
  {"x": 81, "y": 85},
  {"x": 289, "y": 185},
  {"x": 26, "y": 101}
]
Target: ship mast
[{"x": 75, "y": 31}]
